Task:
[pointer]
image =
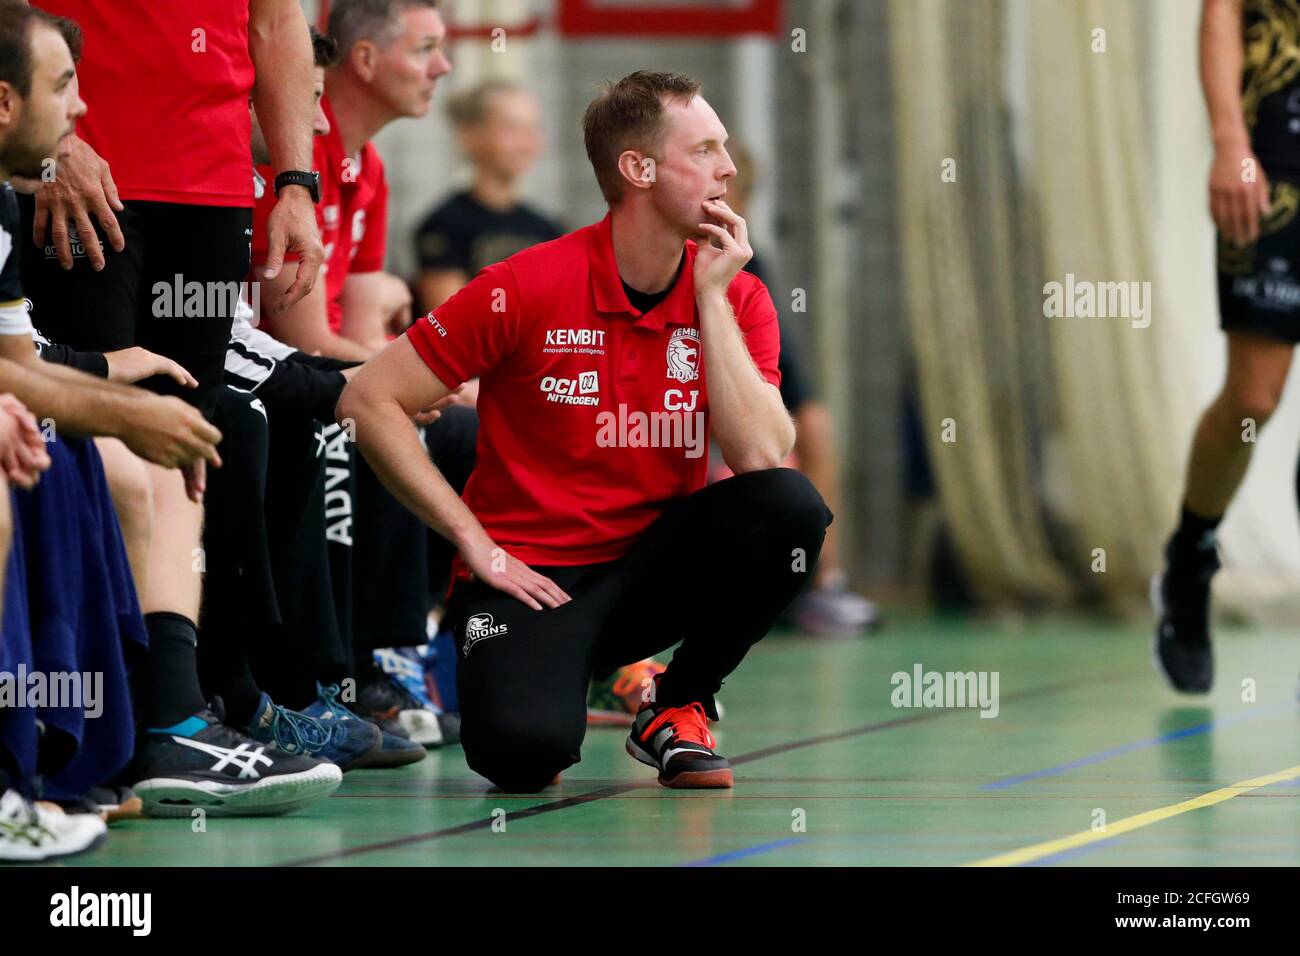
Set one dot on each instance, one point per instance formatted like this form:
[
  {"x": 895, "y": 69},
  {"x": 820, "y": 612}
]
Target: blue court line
[
  {"x": 1217, "y": 724},
  {"x": 747, "y": 851}
]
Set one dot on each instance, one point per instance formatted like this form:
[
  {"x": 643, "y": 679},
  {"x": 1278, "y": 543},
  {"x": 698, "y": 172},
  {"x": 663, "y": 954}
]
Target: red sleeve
[
  {"x": 473, "y": 330},
  {"x": 756, "y": 316}
]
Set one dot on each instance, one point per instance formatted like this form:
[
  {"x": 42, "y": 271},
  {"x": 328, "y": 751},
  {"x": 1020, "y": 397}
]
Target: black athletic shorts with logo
[
  {"x": 1259, "y": 284},
  {"x": 134, "y": 300}
]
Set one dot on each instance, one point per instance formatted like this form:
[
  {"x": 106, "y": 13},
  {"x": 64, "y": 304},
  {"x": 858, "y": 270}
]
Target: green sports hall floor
[{"x": 1085, "y": 728}]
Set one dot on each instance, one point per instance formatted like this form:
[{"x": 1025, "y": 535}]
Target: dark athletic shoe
[
  {"x": 1182, "y": 606},
  {"x": 306, "y": 732},
  {"x": 381, "y": 700},
  {"x": 676, "y": 742},
  {"x": 391, "y": 751},
  {"x": 225, "y": 773}
]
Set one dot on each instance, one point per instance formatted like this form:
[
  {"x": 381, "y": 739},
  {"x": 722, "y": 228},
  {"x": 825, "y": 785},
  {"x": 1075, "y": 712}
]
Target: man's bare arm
[
  {"x": 160, "y": 429},
  {"x": 1222, "y": 56},
  {"x": 379, "y": 403},
  {"x": 280, "y": 47},
  {"x": 436, "y": 286},
  {"x": 369, "y": 300},
  {"x": 305, "y": 324},
  {"x": 1238, "y": 186},
  {"x": 69, "y": 397},
  {"x": 20, "y": 350},
  {"x": 749, "y": 421}
]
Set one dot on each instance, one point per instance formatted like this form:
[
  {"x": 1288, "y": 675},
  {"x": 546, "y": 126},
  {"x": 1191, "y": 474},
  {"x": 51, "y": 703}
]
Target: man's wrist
[
  {"x": 469, "y": 536},
  {"x": 117, "y": 413},
  {"x": 1231, "y": 138},
  {"x": 296, "y": 192}
]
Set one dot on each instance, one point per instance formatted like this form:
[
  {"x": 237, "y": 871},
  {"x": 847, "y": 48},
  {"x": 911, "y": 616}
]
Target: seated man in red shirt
[{"x": 587, "y": 538}]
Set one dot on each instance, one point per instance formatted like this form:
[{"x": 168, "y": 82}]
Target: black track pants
[{"x": 713, "y": 573}]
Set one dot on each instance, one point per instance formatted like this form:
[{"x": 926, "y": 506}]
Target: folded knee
[
  {"x": 517, "y": 759},
  {"x": 786, "y": 497}
]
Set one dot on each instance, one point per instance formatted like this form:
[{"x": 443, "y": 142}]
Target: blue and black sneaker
[
  {"x": 202, "y": 762},
  {"x": 393, "y": 750},
  {"x": 346, "y": 744}
]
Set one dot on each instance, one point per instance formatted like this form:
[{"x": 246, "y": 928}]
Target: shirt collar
[{"x": 607, "y": 286}]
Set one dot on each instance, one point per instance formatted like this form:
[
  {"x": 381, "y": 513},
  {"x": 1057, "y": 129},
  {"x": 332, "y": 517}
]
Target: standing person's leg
[
  {"x": 195, "y": 262},
  {"x": 310, "y": 649},
  {"x": 239, "y": 605},
  {"x": 1261, "y": 315},
  {"x": 1257, "y": 371},
  {"x": 340, "y": 496},
  {"x": 1221, "y": 452},
  {"x": 390, "y": 571}
]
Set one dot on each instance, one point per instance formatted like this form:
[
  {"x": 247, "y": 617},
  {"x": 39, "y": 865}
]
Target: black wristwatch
[{"x": 296, "y": 177}]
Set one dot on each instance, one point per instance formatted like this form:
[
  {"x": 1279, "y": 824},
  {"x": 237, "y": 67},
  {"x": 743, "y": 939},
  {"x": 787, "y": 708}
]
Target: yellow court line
[{"x": 1039, "y": 850}]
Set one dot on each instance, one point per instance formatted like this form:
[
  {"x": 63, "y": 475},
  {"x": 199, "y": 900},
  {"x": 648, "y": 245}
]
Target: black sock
[
  {"x": 1194, "y": 540},
  {"x": 172, "y": 684},
  {"x": 241, "y": 697}
]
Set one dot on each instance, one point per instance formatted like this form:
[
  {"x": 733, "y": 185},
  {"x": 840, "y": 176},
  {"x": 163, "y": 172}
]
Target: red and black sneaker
[{"x": 676, "y": 741}]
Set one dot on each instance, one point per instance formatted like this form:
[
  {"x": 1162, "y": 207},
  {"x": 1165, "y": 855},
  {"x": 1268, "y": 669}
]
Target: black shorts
[
  {"x": 171, "y": 290},
  {"x": 1259, "y": 284}
]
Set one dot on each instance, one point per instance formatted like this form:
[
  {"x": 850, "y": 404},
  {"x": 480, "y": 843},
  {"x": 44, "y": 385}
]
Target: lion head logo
[{"x": 684, "y": 355}]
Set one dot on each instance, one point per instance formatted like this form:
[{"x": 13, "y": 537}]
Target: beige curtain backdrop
[
  {"x": 964, "y": 285},
  {"x": 1063, "y": 119}
]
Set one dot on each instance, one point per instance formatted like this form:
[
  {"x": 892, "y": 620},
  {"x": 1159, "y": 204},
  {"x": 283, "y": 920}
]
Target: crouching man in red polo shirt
[{"x": 587, "y": 537}]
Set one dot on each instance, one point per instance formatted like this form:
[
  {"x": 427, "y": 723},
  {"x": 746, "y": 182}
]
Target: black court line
[{"x": 605, "y": 792}]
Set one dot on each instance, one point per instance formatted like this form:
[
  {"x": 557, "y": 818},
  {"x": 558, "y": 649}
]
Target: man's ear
[
  {"x": 637, "y": 169},
  {"x": 363, "y": 57},
  {"x": 10, "y": 104}
]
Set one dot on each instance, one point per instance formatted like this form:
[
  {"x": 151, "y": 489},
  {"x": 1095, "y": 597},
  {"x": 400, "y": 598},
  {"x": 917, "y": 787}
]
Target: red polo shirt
[
  {"x": 166, "y": 85},
  {"x": 568, "y": 369},
  {"x": 352, "y": 214}
]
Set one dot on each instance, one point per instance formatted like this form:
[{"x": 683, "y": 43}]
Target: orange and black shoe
[
  {"x": 615, "y": 700},
  {"x": 676, "y": 741}
]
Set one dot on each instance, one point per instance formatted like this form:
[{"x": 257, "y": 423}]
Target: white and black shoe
[
  {"x": 33, "y": 834},
  {"x": 224, "y": 772}
]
